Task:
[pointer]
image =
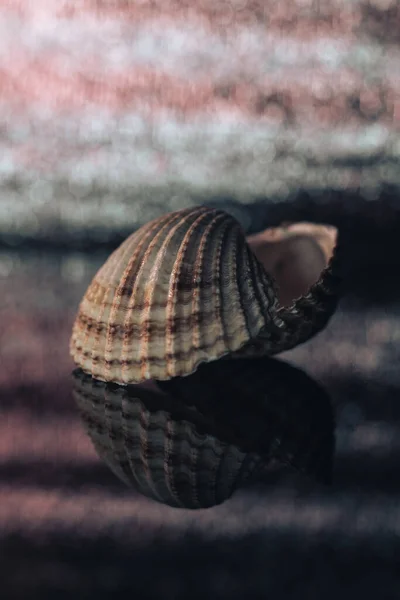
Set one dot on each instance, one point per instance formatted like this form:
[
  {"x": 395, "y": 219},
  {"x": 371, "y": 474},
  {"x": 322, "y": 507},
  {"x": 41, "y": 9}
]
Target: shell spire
[{"x": 184, "y": 289}]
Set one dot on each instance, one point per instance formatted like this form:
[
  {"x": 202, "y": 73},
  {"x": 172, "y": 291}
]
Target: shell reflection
[{"x": 192, "y": 441}]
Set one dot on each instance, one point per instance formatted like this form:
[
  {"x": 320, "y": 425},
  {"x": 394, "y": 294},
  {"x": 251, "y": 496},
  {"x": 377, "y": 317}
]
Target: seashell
[
  {"x": 187, "y": 288},
  {"x": 196, "y": 448}
]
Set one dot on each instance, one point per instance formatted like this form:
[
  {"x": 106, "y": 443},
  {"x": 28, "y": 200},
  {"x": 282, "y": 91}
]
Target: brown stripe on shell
[
  {"x": 98, "y": 296},
  {"x": 97, "y": 288},
  {"x": 182, "y": 355},
  {"x": 183, "y": 324},
  {"x": 147, "y": 280},
  {"x": 160, "y": 279},
  {"x": 119, "y": 287},
  {"x": 145, "y": 264},
  {"x": 107, "y": 302},
  {"x": 182, "y": 270},
  {"x": 114, "y": 272}
]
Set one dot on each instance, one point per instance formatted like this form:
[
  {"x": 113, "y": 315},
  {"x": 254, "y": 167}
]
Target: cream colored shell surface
[{"x": 182, "y": 290}]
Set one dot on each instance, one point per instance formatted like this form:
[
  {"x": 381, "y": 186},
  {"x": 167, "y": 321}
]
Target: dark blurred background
[{"x": 114, "y": 112}]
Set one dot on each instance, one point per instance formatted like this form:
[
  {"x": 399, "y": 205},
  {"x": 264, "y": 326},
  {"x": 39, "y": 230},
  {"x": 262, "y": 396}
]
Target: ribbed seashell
[
  {"x": 184, "y": 289},
  {"x": 190, "y": 451}
]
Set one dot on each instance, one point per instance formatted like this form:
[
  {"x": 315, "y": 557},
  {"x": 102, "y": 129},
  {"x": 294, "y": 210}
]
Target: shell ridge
[
  {"x": 122, "y": 284},
  {"x": 218, "y": 299},
  {"x": 231, "y": 299},
  {"x": 198, "y": 267},
  {"x": 115, "y": 300},
  {"x": 173, "y": 291},
  {"x": 157, "y": 225},
  {"x": 133, "y": 301},
  {"x": 144, "y": 338},
  {"x": 242, "y": 279},
  {"x": 111, "y": 268}
]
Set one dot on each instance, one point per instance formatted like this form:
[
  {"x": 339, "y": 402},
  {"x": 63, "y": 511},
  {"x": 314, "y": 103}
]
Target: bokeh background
[{"x": 113, "y": 112}]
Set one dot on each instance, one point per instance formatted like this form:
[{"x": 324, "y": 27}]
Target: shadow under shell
[
  {"x": 192, "y": 441},
  {"x": 272, "y": 407}
]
